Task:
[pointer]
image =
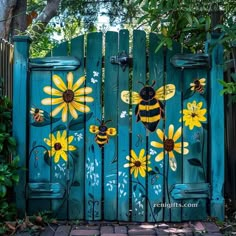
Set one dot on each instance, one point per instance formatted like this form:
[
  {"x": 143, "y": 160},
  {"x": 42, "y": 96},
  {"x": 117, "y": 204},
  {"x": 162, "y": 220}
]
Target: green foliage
[{"x": 8, "y": 169}]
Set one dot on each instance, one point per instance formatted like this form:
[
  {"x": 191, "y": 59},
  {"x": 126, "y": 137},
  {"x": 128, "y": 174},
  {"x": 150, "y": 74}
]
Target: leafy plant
[{"x": 8, "y": 167}]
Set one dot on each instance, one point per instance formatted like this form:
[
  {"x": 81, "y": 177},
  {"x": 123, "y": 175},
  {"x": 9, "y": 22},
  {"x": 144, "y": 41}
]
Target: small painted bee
[
  {"x": 149, "y": 109},
  {"x": 102, "y": 132},
  {"x": 198, "y": 85},
  {"x": 37, "y": 114}
]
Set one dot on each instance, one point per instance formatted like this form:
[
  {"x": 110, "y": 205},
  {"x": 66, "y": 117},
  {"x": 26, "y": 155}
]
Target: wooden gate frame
[{"x": 216, "y": 129}]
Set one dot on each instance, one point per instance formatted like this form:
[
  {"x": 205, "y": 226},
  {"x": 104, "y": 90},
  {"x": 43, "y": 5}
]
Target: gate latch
[{"x": 121, "y": 59}]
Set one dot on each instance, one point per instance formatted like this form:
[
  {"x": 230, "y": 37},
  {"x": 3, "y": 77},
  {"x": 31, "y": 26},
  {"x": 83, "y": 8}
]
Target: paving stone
[
  {"x": 161, "y": 232},
  {"x": 140, "y": 231},
  {"x": 83, "y": 232},
  {"x": 120, "y": 229},
  {"x": 114, "y": 234},
  {"x": 211, "y": 227},
  {"x": 163, "y": 226},
  {"x": 213, "y": 234},
  {"x": 85, "y": 227},
  {"x": 107, "y": 229}
]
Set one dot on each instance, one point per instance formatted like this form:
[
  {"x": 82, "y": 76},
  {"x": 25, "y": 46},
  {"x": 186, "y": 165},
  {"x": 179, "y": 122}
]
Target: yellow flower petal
[
  {"x": 135, "y": 172},
  {"x": 64, "y": 156},
  {"x": 80, "y": 107},
  {"x": 58, "y": 109},
  {"x": 70, "y": 80},
  {"x": 159, "y": 157},
  {"x": 57, "y": 157},
  {"x": 64, "y": 113},
  {"x": 83, "y": 91},
  {"x": 64, "y": 134},
  {"x": 73, "y": 111},
  {"x": 177, "y": 134},
  {"x": 171, "y": 154},
  {"x": 52, "y": 91},
  {"x": 70, "y": 139},
  {"x": 78, "y": 83},
  {"x": 72, "y": 148},
  {"x": 142, "y": 172},
  {"x": 171, "y": 131},
  {"x": 55, "y": 101},
  {"x": 141, "y": 154},
  {"x": 133, "y": 155},
  {"x": 59, "y": 83},
  {"x": 186, "y": 151},
  {"x": 83, "y": 99},
  {"x": 160, "y": 134},
  {"x": 156, "y": 144}
]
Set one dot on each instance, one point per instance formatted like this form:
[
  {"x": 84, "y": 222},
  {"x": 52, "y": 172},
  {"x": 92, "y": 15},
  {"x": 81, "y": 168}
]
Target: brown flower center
[
  {"x": 68, "y": 96},
  {"x": 193, "y": 115},
  {"x": 137, "y": 163},
  {"x": 57, "y": 146},
  {"x": 169, "y": 145}
]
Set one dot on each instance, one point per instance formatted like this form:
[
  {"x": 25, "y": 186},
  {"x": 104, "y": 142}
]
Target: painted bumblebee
[
  {"x": 37, "y": 114},
  {"x": 198, "y": 85},
  {"x": 102, "y": 132},
  {"x": 149, "y": 108}
]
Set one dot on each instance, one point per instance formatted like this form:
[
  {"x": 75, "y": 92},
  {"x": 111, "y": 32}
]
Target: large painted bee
[
  {"x": 149, "y": 108},
  {"x": 102, "y": 132}
]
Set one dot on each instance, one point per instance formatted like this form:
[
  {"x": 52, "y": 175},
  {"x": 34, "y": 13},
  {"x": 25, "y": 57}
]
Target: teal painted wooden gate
[{"x": 131, "y": 135}]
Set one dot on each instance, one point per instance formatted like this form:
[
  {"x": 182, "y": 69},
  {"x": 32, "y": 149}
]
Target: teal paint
[
  {"x": 156, "y": 179},
  {"x": 60, "y": 170},
  {"x": 76, "y": 168},
  {"x": 110, "y": 170},
  {"x": 123, "y": 135},
  {"x": 172, "y": 115},
  {"x": 217, "y": 147},
  {"x": 93, "y": 155},
  {"x": 138, "y": 129},
  {"x": 20, "y": 118}
]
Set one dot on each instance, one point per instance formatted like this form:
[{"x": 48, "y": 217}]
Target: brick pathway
[{"x": 126, "y": 229}]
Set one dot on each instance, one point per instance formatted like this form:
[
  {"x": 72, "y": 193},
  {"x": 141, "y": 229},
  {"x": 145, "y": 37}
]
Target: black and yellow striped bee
[
  {"x": 37, "y": 114},
  {"x": 149, "y": 108},
  {"x": 102, "y": 132},
  {"x": 198, "y": 85}
]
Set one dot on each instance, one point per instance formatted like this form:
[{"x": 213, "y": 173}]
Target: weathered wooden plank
[
  {"x": 173, "y": 161},
  {"x": 60, "y": 166},
  {"x": 195, "y": 109},
  {"x": 155, "y": 177},
  {"x": 93, "y": 161},
  {"x": 123, "y": 134},
  {"x": 20, "y": 99},
  {"x": 217, "y": 147},
  {"x": 77, "y": 172},
  {"x": 138, "y": 151},
  {"x": 110, "y": 149},
  {"x": 39, "y": 128}
]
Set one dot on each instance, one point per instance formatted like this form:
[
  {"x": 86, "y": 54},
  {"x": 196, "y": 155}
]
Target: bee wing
[
  {"x": 165, "y": 92},
  {"x": 130, "y": 97},
  {"x": 94, "y": 129},
  {"x": 173, "y": 163},
  {"x": 111, "y": 131}
]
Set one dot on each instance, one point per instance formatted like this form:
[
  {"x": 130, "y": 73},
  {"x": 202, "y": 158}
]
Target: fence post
[
  {"x": 217, "y": 147},
  {"x": 20, "y": 85}
]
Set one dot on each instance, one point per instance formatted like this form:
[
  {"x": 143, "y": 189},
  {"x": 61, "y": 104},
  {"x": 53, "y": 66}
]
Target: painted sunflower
[
  {"x": 169, "y": 145},
  {"x": 194, "y": 115},
  {"x": 60, "y": 145},
  {"x": 138, "y": 164},
  {"x": 198, "y": 85},
  {"x": 70, "y": 97}
]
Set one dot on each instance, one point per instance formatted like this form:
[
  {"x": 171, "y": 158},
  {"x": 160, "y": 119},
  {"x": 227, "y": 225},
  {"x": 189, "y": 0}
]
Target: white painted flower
[
  {"x": 78, "y": 136},
  {"x": 152, "y": 152},
  {"x": 123, "y": 114},
  {"x": 95, "y": 73},
  {"x": 94, "y": 81},
  {"x": 157, "y": 189}
]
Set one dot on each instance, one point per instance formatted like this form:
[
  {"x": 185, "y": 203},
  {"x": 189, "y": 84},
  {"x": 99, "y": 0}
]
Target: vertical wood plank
[
  {"x": 217, "y": 147},
  {"x": 110, "y": 113},
  {"x": 155, "y": 177},
  {"x": 20, "y": 123},
  {"x": 195, "y": 162},
  {"x": 77, "y": 172},
  {"x": 93, "y": 160},
  {"x": 39, "y": 169},
  {"x": 172, "y": 116},
  {"x": 138, "y": 129},
  {"x": 123, "y": 134},
  {"x": 60, "y": 170}
]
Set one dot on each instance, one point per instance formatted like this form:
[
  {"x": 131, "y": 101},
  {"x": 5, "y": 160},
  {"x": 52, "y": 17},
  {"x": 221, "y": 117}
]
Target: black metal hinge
[{"x": 121, "y": 59}]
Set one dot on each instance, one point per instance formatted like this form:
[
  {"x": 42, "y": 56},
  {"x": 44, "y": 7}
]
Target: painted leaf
[
  {"x": 188, "y": 93},
  {"x": 194, "y": 162},
  {"x": 157, "y": 169},
  {"x": 59, "y": 127},
  {"x": 47, "y": 120},
  {"x": 134, "y": 187},
  {"x": 77, "y": 124},
  {"x": 47, "y": 159},
  {"x": 91, "y": 196},
  {"x": 151, "y": 172}
]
